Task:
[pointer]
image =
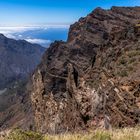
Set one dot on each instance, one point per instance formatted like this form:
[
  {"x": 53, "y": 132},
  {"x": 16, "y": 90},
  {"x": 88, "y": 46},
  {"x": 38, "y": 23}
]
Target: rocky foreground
[{"x": 93, "y": 79}]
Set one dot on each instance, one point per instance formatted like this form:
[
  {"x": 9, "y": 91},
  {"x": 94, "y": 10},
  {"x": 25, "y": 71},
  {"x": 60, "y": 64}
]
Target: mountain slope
[
  {"x": 17, "y": 59},
  {"x": 93, "y": 79}
]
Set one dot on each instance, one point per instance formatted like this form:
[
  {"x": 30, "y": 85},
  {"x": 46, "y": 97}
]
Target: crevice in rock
[
  {"x": 75, "y": 74},
  {"x": 93, "y": 60},
  {"x": 85, "y": 119}
]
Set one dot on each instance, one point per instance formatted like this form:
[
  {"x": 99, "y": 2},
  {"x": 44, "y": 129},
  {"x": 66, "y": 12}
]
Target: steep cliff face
[{"x": 93, "y": 79}]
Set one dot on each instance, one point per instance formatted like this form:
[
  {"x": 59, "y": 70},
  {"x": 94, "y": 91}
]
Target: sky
[{"x": 41, "y": 12}]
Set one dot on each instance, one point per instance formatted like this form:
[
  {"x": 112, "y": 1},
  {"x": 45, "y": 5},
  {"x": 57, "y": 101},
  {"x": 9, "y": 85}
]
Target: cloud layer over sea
[{"x": 43, "y": 35}]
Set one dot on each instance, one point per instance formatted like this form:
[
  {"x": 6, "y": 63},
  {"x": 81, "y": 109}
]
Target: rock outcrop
[{"x": 93, "y": 79}]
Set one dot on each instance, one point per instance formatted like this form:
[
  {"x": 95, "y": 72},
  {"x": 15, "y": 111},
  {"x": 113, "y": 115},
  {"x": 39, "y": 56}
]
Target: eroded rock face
[{"x": 93, "y": 79}]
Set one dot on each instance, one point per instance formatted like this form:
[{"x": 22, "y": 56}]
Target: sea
[{"x": 43, "y": 35}]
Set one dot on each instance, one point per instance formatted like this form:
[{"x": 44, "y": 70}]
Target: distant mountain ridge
[{"x": 18, "y": 58}]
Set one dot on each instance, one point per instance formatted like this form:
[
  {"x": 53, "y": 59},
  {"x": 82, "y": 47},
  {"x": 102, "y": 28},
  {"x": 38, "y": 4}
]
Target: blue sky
[{"x": 28, "y": 12}]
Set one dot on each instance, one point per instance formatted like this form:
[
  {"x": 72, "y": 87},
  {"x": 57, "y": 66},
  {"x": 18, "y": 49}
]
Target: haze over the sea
[{"x": 43, "y": 35}]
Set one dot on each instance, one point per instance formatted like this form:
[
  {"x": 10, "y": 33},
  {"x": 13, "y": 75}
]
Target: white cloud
[
  {"x": 11, "y": 29},
  {"x": 17, "y": 33},
  {"x": 38, "y": 41},
  {"x": 10, "y": 36}
]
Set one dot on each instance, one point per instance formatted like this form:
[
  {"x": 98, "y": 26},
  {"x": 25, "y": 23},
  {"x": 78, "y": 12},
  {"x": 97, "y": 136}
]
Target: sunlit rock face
[{"x": 93, "y": 79}]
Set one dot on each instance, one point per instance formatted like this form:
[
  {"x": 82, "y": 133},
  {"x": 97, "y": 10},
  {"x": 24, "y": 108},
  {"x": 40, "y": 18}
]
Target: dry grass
[{"x": 116, "y": 134}]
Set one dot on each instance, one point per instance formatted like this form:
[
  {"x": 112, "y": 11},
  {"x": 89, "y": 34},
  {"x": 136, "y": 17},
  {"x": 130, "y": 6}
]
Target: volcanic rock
[{"x": 92, "y": 80}]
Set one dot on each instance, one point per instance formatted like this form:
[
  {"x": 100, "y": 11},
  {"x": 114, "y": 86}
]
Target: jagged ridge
[{"x": 92, "y": 80}]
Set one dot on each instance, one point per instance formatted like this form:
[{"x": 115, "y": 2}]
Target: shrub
[
  {"x": 123, "y": 61},
  {"x": 18, "y": 134},
  {"x": 134, "y": 53},
  {"x": 130, "y": 68},
  {"x": 102, "y": 135},
  {"x": 123, "y": 73},
  {"x": 132, "y": 60}
]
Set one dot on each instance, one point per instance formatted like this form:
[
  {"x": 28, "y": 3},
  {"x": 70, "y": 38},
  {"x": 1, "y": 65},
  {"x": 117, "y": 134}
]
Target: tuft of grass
[
  {"x": 115, "y": 134},
  {"x": 134, "y": 53},
  {"x": 123, "y": 61},
  {"x": 19, "y": 134},
  {"x": 98, "y": 135},
  {"x": 123, "y": 73},
  {"x": 126, "y": 134},
  {"x": 132, "y": 60},
  {"x": 102, "y": 135}
]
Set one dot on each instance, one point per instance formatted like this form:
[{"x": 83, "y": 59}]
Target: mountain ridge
[
  {"x": 18, "y": 58},
  {"x": 92, "y": 80}
]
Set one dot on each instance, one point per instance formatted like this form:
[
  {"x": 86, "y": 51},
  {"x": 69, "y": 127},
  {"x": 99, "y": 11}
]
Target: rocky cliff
[{"x": 93, "y": 79}]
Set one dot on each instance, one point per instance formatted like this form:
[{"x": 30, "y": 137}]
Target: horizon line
[{"x": 36, "y": 25}]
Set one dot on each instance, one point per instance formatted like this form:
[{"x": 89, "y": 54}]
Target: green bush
[
  {"x": 18, "y": 134},
  {"x": 102, "y": 135},
  {"x": 132, "y": 60},
  {"x": 123, "y": 61},
  {"x": 123, "y": 73}
]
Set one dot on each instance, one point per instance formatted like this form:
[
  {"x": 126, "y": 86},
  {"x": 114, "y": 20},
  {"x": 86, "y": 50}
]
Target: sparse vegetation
[
  {"x": 130, "y": 68},
  {"x": 127, "y": 63},
  {"x": 19, "y": 134},
  {"x": 123, "y": 73},
  {"x": 115, "y": 134},
  {"x": 134, "y": 53},
  {"x": 123, "y": 61}
]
